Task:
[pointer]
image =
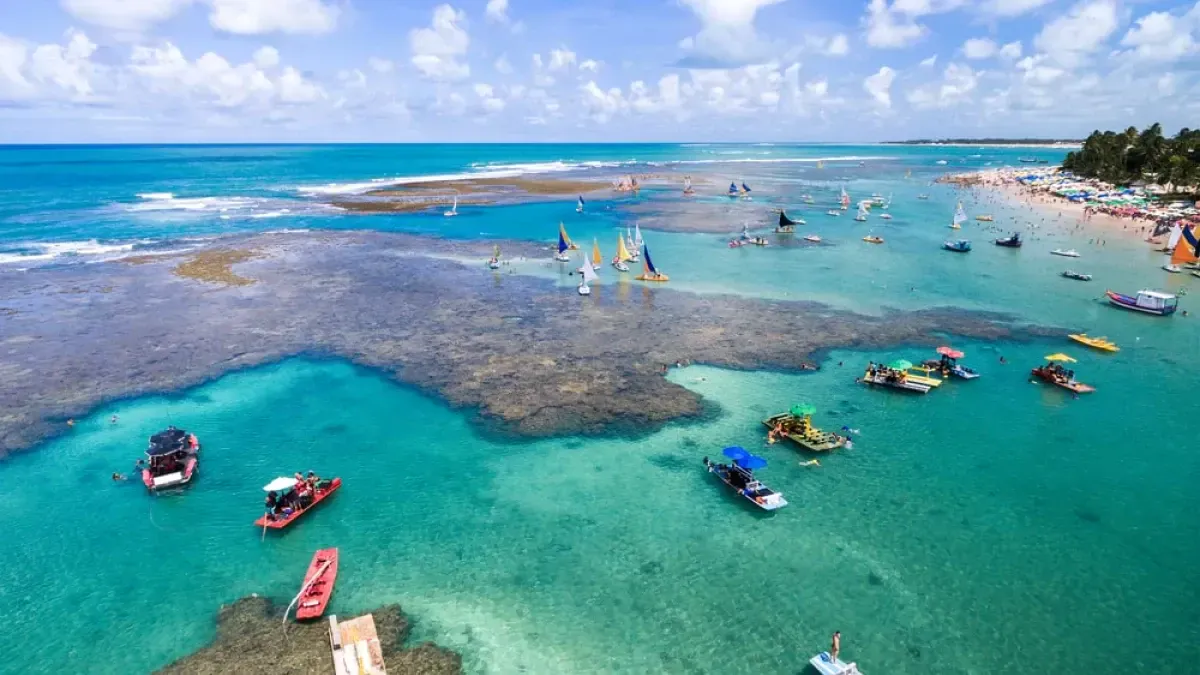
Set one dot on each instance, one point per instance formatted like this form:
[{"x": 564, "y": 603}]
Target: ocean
[{"x": 993, "y": 526}]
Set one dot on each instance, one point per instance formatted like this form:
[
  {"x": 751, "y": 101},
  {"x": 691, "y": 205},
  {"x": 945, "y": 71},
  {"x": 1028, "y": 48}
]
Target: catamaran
[
  {"x": 862, "y": 212},
  {"x": 589, "y": 275},
  {"x": 649, "y": 272},
  {"x": 844, "y": 201},
  {"x": 453, "y": 210},
  {"x": 622, "y": 256},
  {"x": 745, "y": 191},
  {"x": 960, "y": 217}
]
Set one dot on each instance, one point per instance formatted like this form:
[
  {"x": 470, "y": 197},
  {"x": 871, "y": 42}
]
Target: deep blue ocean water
[{"x": 994, "y": 526}]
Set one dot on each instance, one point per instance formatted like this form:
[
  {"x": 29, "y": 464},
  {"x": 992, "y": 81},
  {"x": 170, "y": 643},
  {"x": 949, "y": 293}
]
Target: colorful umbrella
[
  {"x": 900, "y": 364},
  {"x": 1061, "y": 357},
  {"x": 802, "y": 410},
  {"x": 751, "y": 462},
  {"x": 735, "y": 453},
  {"x": 950, "y": 352}
]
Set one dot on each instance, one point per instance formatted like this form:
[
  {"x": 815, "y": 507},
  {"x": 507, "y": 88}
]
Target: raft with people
[
  {"x": 172, "y": 459},
  {"x": 1053, "y": 372},
  {"x": 290, "y": 498},
  {"x": 796, "y": 426},
  {"x": 894, "y": 376}
]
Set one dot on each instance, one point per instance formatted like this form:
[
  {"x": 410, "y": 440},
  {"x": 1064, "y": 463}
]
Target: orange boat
[
  {"x": 291, "y": 508},
  {"x": 318, "y": 584}
]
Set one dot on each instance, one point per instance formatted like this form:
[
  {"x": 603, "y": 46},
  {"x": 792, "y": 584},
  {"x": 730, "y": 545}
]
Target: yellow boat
[
  {"x": 1101, "y": 343},
  {"x": 797, "y": 427},
  {"x": 872, "y": 239},
  {"x": 925, "y": 379},
  {"x": 649, "y": 271},
  {"x": 985, "y": 219}
]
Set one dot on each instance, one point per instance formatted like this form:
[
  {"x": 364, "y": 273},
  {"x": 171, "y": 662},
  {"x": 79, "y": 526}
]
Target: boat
[
  {"x": 922, "y": 196},
  {"x": 292, "y": 506},
  {"x": 649, "y": 272},
  {"x": 494, "y": 262},
  {"x": 960, "y": 246},
  {"x": 872, "y": 239},
  {"x": 1011, "y": 241},
  {"x": 579, "y": 205},
  {"x": 562, "y": 233},
  {"x": 885, "y": 216},
  {"x": 786, "y": 224},
  {"x": 638, "y": 243},
  {"x": 733, "y": 191},
  {"x": 1077, "y": 276},
  {"x": 739, "y": 476},
  {"x": 687, "y": 186},
  {"x": 746, "y": 191},
  {"x": 796, "y": 426},
  {"x": 833, "y": 213},
  {"x": 172, "y": 459},
  {"x": 984, "y": 219},
  {"x": 888, "y": 204},
  {"x": 893, "y": 377},
  {"x": 1068, "y": 253},
  {"x": 453, "y": 210},
  {"x": 1182, "y": 244},
  {"x": 844, "y": 200},
  {"x": 1147, "y": 302},
  {"x": 1101, "y": 343},
  {"x": 1172, "y": 268},
  {"x": 1054, "y": 373},
  {"x": 631, "y": 246},
  {"x": 597, "y": 259},
  {"x": 1027, "y": 160},
  {"x": 930, "y": 376},
  {"x": 861, "y": 216},
  {"x": 813, "y": 238},
  {"x": 941, "y": 162},
  {"x": 563, "y": 246},
  {"x": 820, "y": 164},
  {"x": 622, "y": 256},
  {"x": 317, "y": 588},
  {"x": 947, "y": 364},
  {"x": 808, "y": 199},
  {"x": 960, "y": 217},
  {"x": 589, "y": 276},
  {"x": 825, "y": 664}
]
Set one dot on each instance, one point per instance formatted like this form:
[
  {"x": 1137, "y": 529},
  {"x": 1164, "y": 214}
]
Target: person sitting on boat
[{"x": 273, "y": 503}]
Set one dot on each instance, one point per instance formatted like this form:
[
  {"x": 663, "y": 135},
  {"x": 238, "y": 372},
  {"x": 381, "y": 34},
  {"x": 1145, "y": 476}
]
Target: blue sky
[{"x": 591, "y": 70}]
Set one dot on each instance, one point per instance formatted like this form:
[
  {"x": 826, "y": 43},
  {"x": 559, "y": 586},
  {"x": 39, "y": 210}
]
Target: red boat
[
  {"x": 290, "y": 504},
  {"x": 318, "y": 584},
  {"x": 1060, "y": 378},
  {"x": 171, "y": 459}
]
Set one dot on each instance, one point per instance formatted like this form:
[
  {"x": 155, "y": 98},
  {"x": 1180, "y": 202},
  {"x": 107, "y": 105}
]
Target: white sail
[
  {"x": 1176, "y": 234},
  {"x": 745, "y": 231},
  {"x": 687, "y": 183},
  {"x": 589, "y": 272},
  {"x": 862, "y": 212},
  {"x": 637, "y": 236},
  {"x": 960, "y": 216}
]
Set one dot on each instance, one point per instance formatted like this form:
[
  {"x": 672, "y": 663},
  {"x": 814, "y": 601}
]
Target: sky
[{"x": 113, "y": 71}]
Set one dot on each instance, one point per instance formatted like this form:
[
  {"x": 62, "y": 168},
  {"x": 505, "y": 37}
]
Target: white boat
[
  {"x": 960, "y": 217},
  {"x": 579, "y": 206},
  {"x": 453, "y": 210},
  {"x": 813, "y": 238},
  {"x": 824, "y": 664},
  {"x": 634, "y": 251},
  {"x": 861, "y": 216},
  {"x": 494, "y": 262},
  {"x": 922, "y": 196},
  {"x": 885, "y": 216},
  {"x": 1173, "y": 269},
  {"x": 1069, "y": 253},
  {"x": 940, "y": 162},
  {"x": 833, "y": 213},
  {"x": 844, "y": 200},
  {"x": 619, "y": 260},
  {"x": 638, "y": 243},
  {"x": 589, "y": 275}
]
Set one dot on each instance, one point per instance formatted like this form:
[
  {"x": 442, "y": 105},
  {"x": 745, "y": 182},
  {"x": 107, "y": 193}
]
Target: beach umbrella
[
  {"x": 802, "y": 410},
  {"x": 1061, "y": 357},
  {"x": 735, "y": 453},
  {"x": 951, "y": 352},
  {"x": 279, "y": 484},
  {"x": 900, "y": 364},
  {"x": 751, "y": 462}
]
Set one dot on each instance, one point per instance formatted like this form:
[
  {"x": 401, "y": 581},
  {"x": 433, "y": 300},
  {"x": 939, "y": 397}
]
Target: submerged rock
[{"x": 251, "y": 639}]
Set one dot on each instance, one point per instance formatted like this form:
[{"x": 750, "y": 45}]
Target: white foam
[
  {"x": 156, "y": 195},
  {"x": 46, "y": 251}
]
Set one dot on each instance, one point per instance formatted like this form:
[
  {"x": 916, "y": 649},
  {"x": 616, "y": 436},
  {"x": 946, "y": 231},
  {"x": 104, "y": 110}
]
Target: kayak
[{"x": 318, "y": 584}]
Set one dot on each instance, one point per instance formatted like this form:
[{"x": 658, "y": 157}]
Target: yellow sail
[
  {"x": 1183, "y": 253},
  {"x": 562, "y": 230},
  {"x": 597, "y": 260},
  {"x": 622, "y": 252}
]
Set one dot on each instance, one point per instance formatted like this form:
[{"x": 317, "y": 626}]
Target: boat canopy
[
  {"x": 735, "y": 452},
  {"x": 950, "y": 352},
  {"x": 802, "y": 410},
  {"x": 280, "y": 484},
  {"x": 900, "y": 364},
  {"x": 167, "y": 442}
]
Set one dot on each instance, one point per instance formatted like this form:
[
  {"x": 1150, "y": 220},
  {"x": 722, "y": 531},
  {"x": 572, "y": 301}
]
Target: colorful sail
[
  {"x": 845, "y": 198},
  {"x": 563, "y": 237},
  {"x": 649, "y": 266},
  {"x": 1185, "y": 250},
  {"x": 960, "y": 215},
  {"x": 745, "y": 188},
  {"x": 622, "y": 252},
  {"x": 562, "y": 240},
  {"x": 637, "y": 236},
  {"x": 733, "y": 190},
  {"x": 596, "y": 257}
]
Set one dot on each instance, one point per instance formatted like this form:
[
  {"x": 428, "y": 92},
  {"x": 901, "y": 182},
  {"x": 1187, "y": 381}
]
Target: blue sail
[
  {"x": 562, "y": 242},
  {"x": 745, "y": 187},
  {"x": 581, "y": 200},
  {"x": 649, "y": 264},
  {"x": 733, "y": 188},
  {"x": 1191, "y": 240}
]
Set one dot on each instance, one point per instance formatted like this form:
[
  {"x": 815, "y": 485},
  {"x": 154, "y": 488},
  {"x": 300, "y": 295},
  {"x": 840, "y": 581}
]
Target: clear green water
[{"x": 990, "y": 527}]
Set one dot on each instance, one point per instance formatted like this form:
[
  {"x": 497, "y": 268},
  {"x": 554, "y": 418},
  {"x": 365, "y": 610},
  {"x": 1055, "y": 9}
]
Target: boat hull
[
  {"x": 1126, "y": 302},
  {"x": 317, "y": 588},
  {"x": 771, "y": 501},
  {"x": 659, "y": 278},
  {"x": 1070, "y": 385},
  {"x": 912, "y": 387},
  {"x": 172, "y": 480},
  {"x": 282, "y": 521}
]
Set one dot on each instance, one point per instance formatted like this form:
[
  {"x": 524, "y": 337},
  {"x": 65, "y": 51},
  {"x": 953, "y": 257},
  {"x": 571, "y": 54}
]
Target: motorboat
[
  {"x": 1147, "y": 302},
  {"x": 289, "y": 498},
  {"x": 984, "y": 219},
  {"x": 833, "y": 213},
  {"x": 960, "y": 246},
  {"x": 172, "y": 459},
  {"x": 1078, "y": 276},
  {"x": 825, "y": 664},
  {"x": 812, "y": 238},
  {"x": 922, "y": 196},
  {"x": 739, "y": 476},
  {"x": 872, "y": 239},
  {"x": 1011, "y": 241},
  {"x": 1068, "y": 253},
  {"x": 796, "y": 426},
  {"x": 1101, "y": 343},
  {"x": 962, "y": 372},
  {"x": 885, "y": 216}
]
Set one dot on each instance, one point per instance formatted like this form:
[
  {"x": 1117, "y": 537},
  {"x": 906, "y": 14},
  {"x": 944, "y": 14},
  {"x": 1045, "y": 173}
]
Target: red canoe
[
  {"x": 318, "y": 584},
  {"x": 323, "y": 491}
]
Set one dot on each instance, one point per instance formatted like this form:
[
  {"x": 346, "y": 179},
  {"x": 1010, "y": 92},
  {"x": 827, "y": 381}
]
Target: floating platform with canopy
[{"x": 796, "y": 426}]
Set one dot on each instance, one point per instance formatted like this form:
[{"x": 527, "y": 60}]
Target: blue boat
[
  {"x": 739, "y": 476},
  {"x": 960, "y": 246},
  {"x": 733, "y": 190}
]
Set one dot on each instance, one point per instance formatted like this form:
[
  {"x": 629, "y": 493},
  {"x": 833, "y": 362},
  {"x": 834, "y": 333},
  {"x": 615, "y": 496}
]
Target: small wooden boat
[
  {"x": 290, "y": 514},
  {"x": 984, "y": 219},
  {"x": 1101, "y": 343},
  {"x": 872, "y": 239},
  {"x": 317, "y": 588},
  {"x": 172, "y": 459},
  {"x": 1147, "y": 302},
  {"x": 825, "y": 664},
  {"x": 1011, "y": 241},
  {"x": 1077, "y": 276},
  {"x": 739, "y": 476},
  {"x": 649, "y": 272},
  {"x": 960, "y": 246},
  {"x": 1067, "y": 253},
  {"x": 1061, "y": 378},
  {"x": 797, "y": 427}
]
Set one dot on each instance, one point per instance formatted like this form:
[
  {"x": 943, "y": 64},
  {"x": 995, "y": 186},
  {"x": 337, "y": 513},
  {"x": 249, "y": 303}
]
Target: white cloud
[
  {"x": 602, "y": 105},
  {"x": 540, "y": 77},
  {"x": 1037, "y": 71},
  {"x": 67, "y": 67},
  {"x": 1166, "y": 84},
  {"x": 381, "y": 65},
  {"x": 242, "y": 17},
  {"x": 888, "y": 28},
  {"x": 212, "y": 79},
  {"x": 929, "y": 62},
  {"x": 124, "y": 15},
  {"x": 727, "y": 34},
  {"x": 561, "y": 59},
  {"x": 488, "y": 101},
  {"x": 266, "y": 57},
  {"x": 979, "y": 48},
  {"x": 1011, "y": 8},
  {"x": 13, "y": 57},
  {"x": 502, "y": 65},
  {"x": 589, "y": 66},
  {"x": 1161, "y": 37},
  {"x": 879, "y": 86},
  {"x": 839, "y": 45},
  {"x": 436, "y": 50},
  {"x": 1011, "y": 51},
  {"x": 1071, "y": 37},
  {"x": 958, "y": 82},
  {"x": 293, "y": 88},
  {"x": 497, "y": 10}
]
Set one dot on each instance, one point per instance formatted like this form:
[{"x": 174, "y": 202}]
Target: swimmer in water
[
  {"x": 113, "y": 420},
  {"x": 811, "y": 462},
  {"x": 117, "y": 477}
]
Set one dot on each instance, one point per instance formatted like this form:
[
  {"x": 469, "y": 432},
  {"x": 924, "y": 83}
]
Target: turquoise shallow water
[{"x": 980, "y": 529}]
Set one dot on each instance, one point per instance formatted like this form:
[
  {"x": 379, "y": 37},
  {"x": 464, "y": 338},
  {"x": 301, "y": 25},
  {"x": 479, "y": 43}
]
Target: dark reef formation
[
  {"x": 250, "y": 639},
  {"x": 531, "y": 357}
]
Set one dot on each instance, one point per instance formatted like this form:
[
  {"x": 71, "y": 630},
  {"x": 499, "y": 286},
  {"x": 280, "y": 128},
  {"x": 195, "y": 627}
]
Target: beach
[{"x": 522, "y": 465}]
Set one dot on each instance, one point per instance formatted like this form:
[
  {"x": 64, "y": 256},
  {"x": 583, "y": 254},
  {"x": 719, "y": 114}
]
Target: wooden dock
[{"x": 355, "y": 646}]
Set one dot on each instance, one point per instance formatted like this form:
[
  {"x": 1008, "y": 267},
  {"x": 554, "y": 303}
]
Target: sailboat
[
  {"x": 746, "y": 191},
  {"x": 563, "y": 236},
  {"x": 622, "y": 256},
  {"x": 687, "y": 186},
  {"x": 632, "y": 247},
  {"x": 733, "y": 191},
  {"x": 494, "y": 263},
  {"x": 638, "y": 242},
  {"x": 888, "y": 203},
  {"x": 862, "y": 212},
  {"x": 1184, "y": 250},
  {"x": 820, "y": 164},
  {"x": 597, "y": 259},
  {"x": 579, "y": 206},
  {"x": 649, "y": 272},
  {"x": 589, "y": 275},
  {"x": 453, "y": 210},
  {"x": 844, "y": 201},
  {"x": 786, "y": 224},
  {"x": 960, "y": 217},
  {"x": 908, "y": 174},
  {"x": 563, "y": 246}
]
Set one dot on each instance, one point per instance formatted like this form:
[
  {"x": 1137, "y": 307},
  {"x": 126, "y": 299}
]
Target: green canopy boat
[{"x": 796, "y": 425}]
